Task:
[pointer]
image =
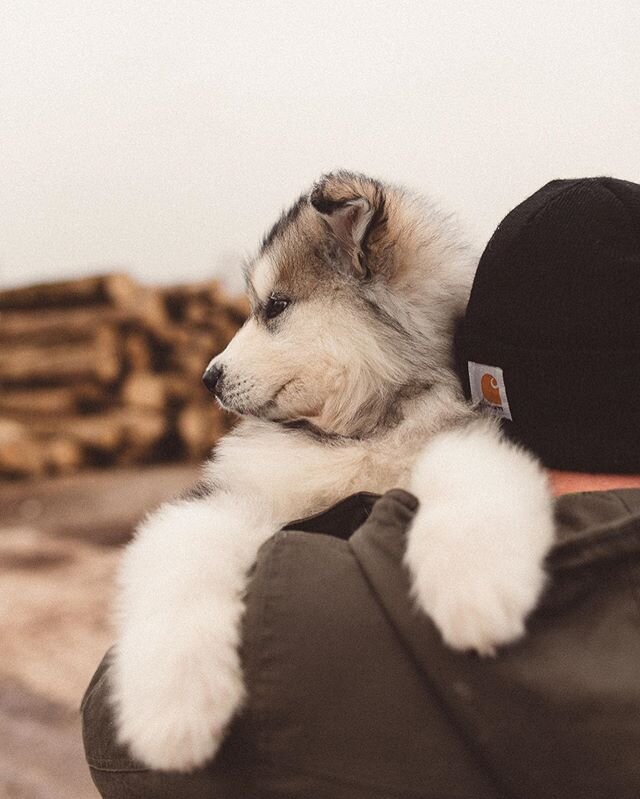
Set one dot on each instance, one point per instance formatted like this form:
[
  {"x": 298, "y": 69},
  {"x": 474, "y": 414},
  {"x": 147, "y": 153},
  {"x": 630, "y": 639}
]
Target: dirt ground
[{"x": 59, "y": 547}]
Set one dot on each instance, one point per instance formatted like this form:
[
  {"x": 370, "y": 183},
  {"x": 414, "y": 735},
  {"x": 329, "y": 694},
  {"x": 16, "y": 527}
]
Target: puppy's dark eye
[{"x": 275, "y": 306}]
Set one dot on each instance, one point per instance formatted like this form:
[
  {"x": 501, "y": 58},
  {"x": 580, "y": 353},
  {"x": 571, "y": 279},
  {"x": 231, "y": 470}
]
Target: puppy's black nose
[{"x": 212, "y": 379}]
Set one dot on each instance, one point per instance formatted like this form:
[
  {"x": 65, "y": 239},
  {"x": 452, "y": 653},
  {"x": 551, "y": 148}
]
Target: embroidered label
[{"x": 488, "y": 389}]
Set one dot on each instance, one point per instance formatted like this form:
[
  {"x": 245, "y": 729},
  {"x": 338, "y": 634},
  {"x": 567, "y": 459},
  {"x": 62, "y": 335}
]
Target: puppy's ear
[{"x": 352, "y": 207}]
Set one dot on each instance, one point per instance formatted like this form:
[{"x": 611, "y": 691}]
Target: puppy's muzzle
[{"x": 212, "y": 378}]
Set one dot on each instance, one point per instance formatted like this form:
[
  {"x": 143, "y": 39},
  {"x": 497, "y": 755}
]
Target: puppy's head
[{"x": 336, "y": 327}]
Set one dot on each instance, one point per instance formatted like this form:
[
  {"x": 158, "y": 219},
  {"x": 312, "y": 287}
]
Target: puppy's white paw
[
  {"x": 175, "y": 692},
  {"x": 476, "y": 603},
  {"x": 176, "y": 675},
  {"x": 477, "y": 544}
]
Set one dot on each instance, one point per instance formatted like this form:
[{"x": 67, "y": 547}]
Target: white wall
[{"x": 164, "y": 137}]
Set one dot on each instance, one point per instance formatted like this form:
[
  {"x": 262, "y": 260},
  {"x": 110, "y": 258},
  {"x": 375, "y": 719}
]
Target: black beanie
[{"x": 551, "y": 337}]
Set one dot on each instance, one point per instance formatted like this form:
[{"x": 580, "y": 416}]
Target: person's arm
[{"x": 573, "y": 482}]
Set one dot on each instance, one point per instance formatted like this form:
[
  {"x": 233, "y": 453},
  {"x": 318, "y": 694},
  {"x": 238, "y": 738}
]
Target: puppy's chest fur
[
  {"x": 300, "y": 473},
  {"x": 389, "y": 456}
]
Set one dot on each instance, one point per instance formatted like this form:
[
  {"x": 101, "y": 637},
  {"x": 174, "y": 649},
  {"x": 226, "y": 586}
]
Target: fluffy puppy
[{"x": 343, "y": 374}]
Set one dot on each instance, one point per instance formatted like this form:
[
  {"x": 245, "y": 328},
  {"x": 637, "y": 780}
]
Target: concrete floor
[
  {"x": 40, "y": 748},
  {"x": 59, "y": 548}
]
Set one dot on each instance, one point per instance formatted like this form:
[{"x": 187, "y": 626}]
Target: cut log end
[{"x": 102, "y": 371}]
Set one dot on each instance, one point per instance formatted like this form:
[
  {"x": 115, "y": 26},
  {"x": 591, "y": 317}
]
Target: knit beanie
[{"x": 551, "y": 337}]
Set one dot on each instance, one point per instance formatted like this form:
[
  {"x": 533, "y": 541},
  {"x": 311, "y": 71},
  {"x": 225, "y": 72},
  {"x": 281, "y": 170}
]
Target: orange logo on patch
[{"x": 490, "y": 390}]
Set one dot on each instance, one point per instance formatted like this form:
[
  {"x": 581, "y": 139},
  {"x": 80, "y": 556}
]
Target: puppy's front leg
[
  {"x": 176, "y": 677},
  {"x": 476, "y": 548}
]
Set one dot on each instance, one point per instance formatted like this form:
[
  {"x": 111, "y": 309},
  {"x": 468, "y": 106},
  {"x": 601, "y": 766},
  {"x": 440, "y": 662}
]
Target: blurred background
[{"x": 144, "y": 149}]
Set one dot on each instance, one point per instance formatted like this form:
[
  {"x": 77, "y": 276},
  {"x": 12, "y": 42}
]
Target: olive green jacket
[{"x": 352, "y": 694}]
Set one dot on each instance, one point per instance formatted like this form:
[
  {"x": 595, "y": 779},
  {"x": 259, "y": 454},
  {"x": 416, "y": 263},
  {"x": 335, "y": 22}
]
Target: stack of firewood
[{"x": 102, "y": 371}]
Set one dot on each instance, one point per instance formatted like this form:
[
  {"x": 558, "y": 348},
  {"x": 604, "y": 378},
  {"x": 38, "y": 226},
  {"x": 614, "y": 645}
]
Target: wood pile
[{"x": 102, "y": 371}]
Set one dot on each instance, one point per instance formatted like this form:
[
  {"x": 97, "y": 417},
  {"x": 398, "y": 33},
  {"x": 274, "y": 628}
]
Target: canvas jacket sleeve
[{"x": 353, "y": 695}]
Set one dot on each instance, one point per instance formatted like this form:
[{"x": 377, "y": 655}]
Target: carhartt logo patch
[{"x": 488, "y": 390}]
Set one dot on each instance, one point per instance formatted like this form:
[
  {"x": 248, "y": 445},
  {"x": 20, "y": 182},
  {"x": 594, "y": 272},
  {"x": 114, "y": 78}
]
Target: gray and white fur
[{"x": 344, "y": 377}]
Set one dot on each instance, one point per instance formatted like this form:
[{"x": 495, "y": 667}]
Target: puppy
[{"x": 344, "y": 377}]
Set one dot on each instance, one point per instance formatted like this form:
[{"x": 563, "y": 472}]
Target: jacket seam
[
  {"x": 97, "y": 765},
  {"x": 475, "y": 754},
  {"x": 265, "y": 630},
  {"x": 622, "y": 501},
  {"x": 596, "y": 547}
]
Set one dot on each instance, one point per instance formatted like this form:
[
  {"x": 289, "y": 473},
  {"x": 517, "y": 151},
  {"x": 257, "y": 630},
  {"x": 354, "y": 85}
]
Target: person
[{"x": 351, "y": 692}]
